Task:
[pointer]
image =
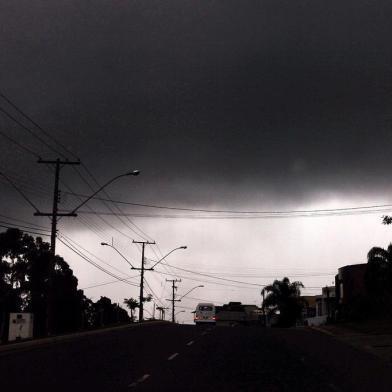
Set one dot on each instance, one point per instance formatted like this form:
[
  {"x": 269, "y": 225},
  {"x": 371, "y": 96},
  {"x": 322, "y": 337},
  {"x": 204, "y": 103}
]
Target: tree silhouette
[
  {"x": 283, "y": 298},
  {"x": 24, "y": 267},
  {"x": 378, "y": 278},
  {"x": 132, "y": 304}
]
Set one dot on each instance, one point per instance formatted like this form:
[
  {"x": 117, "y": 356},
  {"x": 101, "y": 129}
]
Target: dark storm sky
[{"x": 211, "y": 99}]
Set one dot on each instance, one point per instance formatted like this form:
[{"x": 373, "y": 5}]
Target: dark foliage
[
  {"x": 24, "y": 263},
  {"x": 378, "y": 280},
  {"x": 284, "y": 299}
]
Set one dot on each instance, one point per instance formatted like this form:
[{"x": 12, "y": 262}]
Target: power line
[
  {"x": 26, "y": 116},
  {"x": 25, "y": 227},
  {"x": 92, "y": 254},
  {"x": 26, "y": 231},
  {"x": 273, "y": 212},
  {"x": 19, "y": 191},
  {"x": 219, "y": 278},
  {"x": 20, "y": 145},
  {"x": 249, "y": 217},
  {"x": 84, "y": 257},
  {"x": 30, "y": 131},
  {"x": 106, "y": 283},
  {"x": 153, "y": 293},
  {"x": 26, "y": 222}
]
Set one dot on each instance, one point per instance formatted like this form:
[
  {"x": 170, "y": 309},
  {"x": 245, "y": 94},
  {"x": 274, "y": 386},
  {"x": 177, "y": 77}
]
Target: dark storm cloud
[{"x": 283, "y": 96}]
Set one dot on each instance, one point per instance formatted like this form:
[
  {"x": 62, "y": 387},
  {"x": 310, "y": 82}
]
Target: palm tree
[
  {"x": 284, "y": 297},
  {"x": 378, "y": 277},
  {"x": 132, "y": 304}
]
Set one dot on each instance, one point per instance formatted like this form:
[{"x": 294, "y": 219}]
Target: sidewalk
[
  {"x": 42, "y": 342},
  {"x": 374, "y": 337}
]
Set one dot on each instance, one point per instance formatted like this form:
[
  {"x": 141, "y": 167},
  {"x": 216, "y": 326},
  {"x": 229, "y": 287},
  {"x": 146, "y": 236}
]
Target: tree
[
  {"x": 132, "y": 304},
  {"x": 24, "y": 270},
  {"x": 284, "y": 299},
  {"x": 378, "y": 278}
]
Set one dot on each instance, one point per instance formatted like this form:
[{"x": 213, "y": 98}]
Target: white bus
[{"x": 205, "y": 313}]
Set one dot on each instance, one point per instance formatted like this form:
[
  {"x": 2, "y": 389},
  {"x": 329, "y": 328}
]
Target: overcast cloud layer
[{"x": 251, "y": 104}]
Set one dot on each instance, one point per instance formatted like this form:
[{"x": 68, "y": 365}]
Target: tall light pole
[
  {"x": 54, "y": 215},
  {"x": 142, "y": 268},
  {"x": 164, "y": 257},
  {"x": 173, "y": 300},
  {"x": 181, "y": 311},
  {"x": 144, "y": 243},
  {"x": 190, "y": 291}
]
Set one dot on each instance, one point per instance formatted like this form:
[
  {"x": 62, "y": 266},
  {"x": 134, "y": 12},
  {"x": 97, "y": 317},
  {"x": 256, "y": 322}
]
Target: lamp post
[
  {"x": 173, "y": 300},
  {"x": 111, "y": 246},
  {"x": 142, "y": 268},
  {"x": 190, "y": 291},
  {"x": 181, "y": 311},
  {"x": 164, "y": 257},
  {"x": 54, "y": 215}
]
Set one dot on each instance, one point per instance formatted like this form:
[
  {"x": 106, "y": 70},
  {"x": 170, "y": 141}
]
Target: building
[
  {"x": 320, "y": 308},
  {"x": 237, "y": 313},
  {"x": 350, "y": 288},
  {"x": 309, "y": 309}
]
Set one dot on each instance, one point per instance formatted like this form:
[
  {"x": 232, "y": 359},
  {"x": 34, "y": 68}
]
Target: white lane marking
[
  {"x": 172, "y": 356},
  {"x": 144, "y": 378},
  {"x": 190, "y": 343},
  {"x": 140, "y": 380},
  {"x": 204, "y": 333}
]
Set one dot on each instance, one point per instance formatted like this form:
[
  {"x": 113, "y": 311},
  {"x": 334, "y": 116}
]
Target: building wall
[{"x": 350, "y": 283}]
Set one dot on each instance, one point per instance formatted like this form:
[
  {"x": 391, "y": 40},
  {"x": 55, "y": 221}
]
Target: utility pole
[
  {"x": 142, "y": 269},
  {"x": 161, "y": 312},
  {"x": 54, "y": 215},
  {"x": 263, "y": 307},
  {"x": 173, "y": 300}
]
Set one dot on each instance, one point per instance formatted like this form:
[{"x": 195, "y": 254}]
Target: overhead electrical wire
[
  {"x": 7, "y": 226},
  {"x": 153, "y": 293},
  {"x": 26, "y": 116},
  {"x": 107, "y": 283},
  {"x": 76, "y": 244},
  {"x": 84, "y": 257},
  {"x": 49, "y": 146},
  {"x": 265, "y": 212}
]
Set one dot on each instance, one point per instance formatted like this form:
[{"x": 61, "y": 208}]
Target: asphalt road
[{"x": 188, "y": 358}]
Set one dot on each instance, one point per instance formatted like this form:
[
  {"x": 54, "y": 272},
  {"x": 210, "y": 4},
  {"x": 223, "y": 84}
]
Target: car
[{"x": 205, "y": 314}]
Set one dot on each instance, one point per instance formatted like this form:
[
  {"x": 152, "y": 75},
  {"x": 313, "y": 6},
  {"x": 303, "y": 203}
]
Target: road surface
[{"x": 188, "y": 358}]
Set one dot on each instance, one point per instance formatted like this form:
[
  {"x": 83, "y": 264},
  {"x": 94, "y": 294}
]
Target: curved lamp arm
[
  {"x": 106, "y": 244},
  {"x": 132, "y": 173},
  {"x": 164, "y": 257},
  {"x": 190, "y": 291}
]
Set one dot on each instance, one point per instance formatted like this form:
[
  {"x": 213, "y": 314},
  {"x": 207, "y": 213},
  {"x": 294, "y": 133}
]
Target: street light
[
  {"x": 190, "y": 291},
  {"x": 164, "y": 257},
  {"x": 181, "y": 311},
  {"x": 54, "y": 215},
  {"x": 132, "y": 173},
  {"x": 111, "y": 246},
  {"x": 142, "y": 269}
]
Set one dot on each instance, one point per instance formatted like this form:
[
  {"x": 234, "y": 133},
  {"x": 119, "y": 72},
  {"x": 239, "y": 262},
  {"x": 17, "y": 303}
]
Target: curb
[{"x": 43, "y": 342}]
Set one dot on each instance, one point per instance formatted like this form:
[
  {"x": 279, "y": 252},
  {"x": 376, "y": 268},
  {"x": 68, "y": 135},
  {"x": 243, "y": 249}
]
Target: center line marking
[
  {"x": 141, "y": 379},
  {"x": 190, "y": 343},
  {"x": 144, "y": 378},
  {"x": 172, "y": 356}
]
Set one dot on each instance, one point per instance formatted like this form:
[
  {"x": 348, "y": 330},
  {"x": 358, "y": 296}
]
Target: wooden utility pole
[
  {"x": 142, "y": 269},
  {"x": 54, "y": 215},
  {"x": 173, "y": 300}
]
